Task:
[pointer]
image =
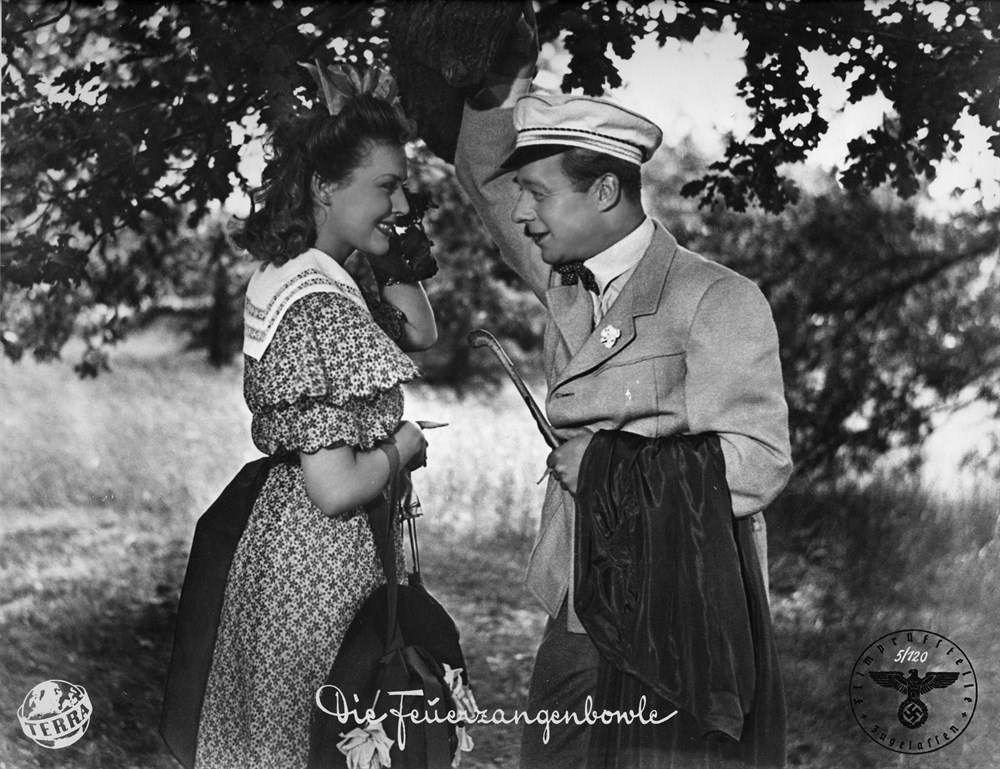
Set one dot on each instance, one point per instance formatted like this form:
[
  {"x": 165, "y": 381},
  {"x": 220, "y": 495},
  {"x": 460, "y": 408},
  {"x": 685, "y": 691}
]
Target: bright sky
[{"x": 690, "y": 89}]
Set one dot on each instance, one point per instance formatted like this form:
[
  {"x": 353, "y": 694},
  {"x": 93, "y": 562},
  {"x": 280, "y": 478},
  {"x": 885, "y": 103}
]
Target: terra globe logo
[{"x": 55, "y": 713}]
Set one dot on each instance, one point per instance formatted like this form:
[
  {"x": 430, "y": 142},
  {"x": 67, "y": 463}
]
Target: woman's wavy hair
[{"x": 281, "y": 223}]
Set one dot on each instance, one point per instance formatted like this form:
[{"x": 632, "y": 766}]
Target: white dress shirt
[{"x": 614, "y": 266}]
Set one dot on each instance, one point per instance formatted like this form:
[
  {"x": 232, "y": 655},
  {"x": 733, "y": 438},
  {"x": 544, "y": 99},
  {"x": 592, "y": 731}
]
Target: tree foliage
[
  {"x": 116, "y": 116},
  {"x": 122, "y": 121},
  {"x": 124, "y": 124},
  {"x": 931, "y": 69}
]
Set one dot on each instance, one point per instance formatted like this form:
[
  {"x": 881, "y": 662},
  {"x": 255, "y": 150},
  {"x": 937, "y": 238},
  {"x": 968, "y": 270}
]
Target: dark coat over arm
[{"x": 669, "y": 590}]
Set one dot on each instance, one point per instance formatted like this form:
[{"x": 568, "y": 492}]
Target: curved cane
[{"x": 481, "y": 338}]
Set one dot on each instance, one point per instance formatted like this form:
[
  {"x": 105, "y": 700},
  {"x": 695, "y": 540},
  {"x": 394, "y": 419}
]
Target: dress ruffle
[
  {"x": 330, "y": 376},
  {"x": 314, "y": 424}
]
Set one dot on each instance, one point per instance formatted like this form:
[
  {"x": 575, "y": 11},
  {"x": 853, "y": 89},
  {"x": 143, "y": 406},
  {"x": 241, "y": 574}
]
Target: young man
[{"x": 650, "y": 339}]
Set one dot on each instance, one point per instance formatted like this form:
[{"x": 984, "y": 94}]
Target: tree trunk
[{"x": 220, "y": 315}]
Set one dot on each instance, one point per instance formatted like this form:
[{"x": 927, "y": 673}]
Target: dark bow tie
[{"x": 574, "y": 272}]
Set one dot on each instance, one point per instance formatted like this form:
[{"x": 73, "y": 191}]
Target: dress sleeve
[
  {"x": 387, "y": 316},
  {"x": 330, "y": 377}
]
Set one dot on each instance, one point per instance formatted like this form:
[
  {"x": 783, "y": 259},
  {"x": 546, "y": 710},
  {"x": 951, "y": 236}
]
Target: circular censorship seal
[{"x": 913, "y": 691}]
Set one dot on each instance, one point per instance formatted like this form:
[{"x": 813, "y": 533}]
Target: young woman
[{"x": 322, "y": 380}]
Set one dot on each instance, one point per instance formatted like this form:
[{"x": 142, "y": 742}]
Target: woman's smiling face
[{"x": 359, "y": 214}]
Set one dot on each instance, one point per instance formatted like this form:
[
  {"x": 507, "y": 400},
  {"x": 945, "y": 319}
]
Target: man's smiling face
[{"x": 561, "y": 220}]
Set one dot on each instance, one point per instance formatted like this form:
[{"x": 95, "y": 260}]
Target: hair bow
[{"x": 340, "y": 82}]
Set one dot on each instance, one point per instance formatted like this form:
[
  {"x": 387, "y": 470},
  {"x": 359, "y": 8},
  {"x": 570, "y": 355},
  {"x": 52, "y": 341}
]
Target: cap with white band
[{"x": 585, "y": 122}]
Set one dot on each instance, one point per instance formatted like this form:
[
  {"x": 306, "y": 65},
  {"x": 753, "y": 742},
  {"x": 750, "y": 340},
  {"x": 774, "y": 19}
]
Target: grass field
[{"x": 101, "y": 483}]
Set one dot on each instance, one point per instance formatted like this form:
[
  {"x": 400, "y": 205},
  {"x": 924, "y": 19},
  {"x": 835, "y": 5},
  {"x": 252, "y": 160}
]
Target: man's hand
[{"x": 564, "y": 462}]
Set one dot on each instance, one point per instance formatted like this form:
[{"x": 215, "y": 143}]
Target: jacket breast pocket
[{"x": 636, "y": 389}]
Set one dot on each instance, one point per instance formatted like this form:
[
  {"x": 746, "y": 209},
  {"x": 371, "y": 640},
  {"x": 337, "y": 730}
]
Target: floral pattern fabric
[{"x": 329, "y": 377}]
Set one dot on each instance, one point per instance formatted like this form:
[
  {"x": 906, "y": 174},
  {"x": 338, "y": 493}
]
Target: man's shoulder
[
  {"x": 691, "y": 277},
  {"x": 692, "y": 269}
]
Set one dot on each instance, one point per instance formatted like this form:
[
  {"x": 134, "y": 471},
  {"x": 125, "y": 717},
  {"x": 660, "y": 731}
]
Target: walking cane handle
[{"x": 482, "y": 338}]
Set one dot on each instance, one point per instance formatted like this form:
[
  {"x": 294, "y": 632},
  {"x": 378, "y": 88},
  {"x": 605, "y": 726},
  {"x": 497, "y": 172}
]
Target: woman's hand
[
  {"x": 344, "y": 478},
  {"x": 409, "y": 258},
  {"x": 390, "y": 265},
  {"x": 412, "y": 446},
  {"x": 564, "y": 462}
]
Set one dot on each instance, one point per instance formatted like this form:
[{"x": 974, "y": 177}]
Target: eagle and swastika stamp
[{"x": 913, "y": 691}]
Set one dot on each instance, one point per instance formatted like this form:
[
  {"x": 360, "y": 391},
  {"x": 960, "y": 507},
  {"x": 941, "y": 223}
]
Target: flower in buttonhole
[
  {"x": 366, "y": 748},
  {"x": 609, "y": 335},
  {"x": 465, "y": 743},
  {"x": 465, "y": 702}
]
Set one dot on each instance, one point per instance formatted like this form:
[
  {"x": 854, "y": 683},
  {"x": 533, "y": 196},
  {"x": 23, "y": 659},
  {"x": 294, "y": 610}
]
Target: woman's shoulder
[
  {"x": 325, "y": 308},
  {"x": 274, "y": 289},
  {"x": 328, "y": 375},
  {"x": 326, "y": 347},
  {"x": 324, "y": 324}
]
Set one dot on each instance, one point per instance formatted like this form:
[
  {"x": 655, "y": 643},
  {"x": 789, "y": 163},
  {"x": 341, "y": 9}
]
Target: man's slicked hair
[{"x": 584, "y": 167}]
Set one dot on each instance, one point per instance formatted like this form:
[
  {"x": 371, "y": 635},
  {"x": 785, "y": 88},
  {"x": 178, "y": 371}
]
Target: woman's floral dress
[{"x": 331, "y": 376}]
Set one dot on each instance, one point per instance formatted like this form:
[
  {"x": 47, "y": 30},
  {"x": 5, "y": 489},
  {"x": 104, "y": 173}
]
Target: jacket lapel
[
  {"x": 572, "y": 309},
  {"x": 640, "y": 296}
]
